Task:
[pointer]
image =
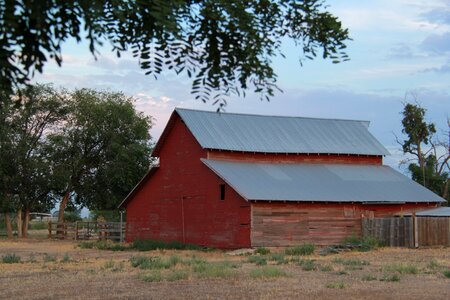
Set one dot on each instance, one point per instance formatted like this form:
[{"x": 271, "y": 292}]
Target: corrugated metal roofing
[
  {"x": 277, "y": 134},
  {"x": 435, "y": 212},
  {"x": 320, "y": 182}
]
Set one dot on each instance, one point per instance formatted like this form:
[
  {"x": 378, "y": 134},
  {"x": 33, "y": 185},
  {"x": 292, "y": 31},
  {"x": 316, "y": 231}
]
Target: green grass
[
  {"x": 402, "y": 268},
  {"x": 362, "y": 244},
  {"x": 446, "y": 273},
  {"x": 433, "y": 265},
  {"x": 326, "y": 268},
  {"x": 154, "y": 276},
  {"x": 336, "y": 285},
  {"x": 267, "y": 272},
  {"x": 109, "y": 264},
  {"x": 10, "y": 259},
  {"x": 351, "y": 262},
  {"x": 305, "y": 249},
  {"x": 147, "y": 245},
  {"x": 38, "y": 225},
  {"x": 257, "y": 260},
  {"x": 391, "y": 277},
  {"x": 368, "y": 277},
  {"x": 262, "y": 251}
]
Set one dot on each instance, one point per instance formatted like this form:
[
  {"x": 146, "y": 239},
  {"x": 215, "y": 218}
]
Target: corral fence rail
[
  {"x": 409, "y": 231},
  {"x": 87, "y": 230}
]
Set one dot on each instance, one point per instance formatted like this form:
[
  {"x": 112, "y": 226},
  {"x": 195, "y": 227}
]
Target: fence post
[
  {"x": 49, "y": 229},
  {"x": 121, "y": 226},
  {"x": 76, "y": 230},
  {"x": 416, "y": 231}
]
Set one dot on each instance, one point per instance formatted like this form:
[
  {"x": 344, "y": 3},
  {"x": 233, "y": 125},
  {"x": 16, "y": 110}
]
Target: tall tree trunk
[
  {"x": 9, "y": 231},
  {"x": 63, "y": 206},
  {"x": 445, "y": 191},
  {"x": 25, "y": 222},
  {"x": 19, "y": 222}
]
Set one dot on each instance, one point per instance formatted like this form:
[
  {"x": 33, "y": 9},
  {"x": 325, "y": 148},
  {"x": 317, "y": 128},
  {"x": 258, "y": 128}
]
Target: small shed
[{"x": 238, "y": 180}]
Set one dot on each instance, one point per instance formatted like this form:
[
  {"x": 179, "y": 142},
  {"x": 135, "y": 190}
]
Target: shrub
[
  {"x": 351, "y": 262},
  {"x": 267, "y": 272},
  {"x": 278, "y": 258},
  {"x": 262, "y": 251},
  {"x": 103, "y": 245},
  {"x": 446, "y": 273},
  {"x": 154, "y": 276},
  {"x": 154, "y": 262},
  {"x": 336, "y": 285},
  {"x": 305, "y": 249},
  {"x": 433, "y": 265},
  {"x": 10, "y": 259},
  {"x": 213, "y": 270},
  {"x": 257, "y": 260},
  {"x": 66, "y": 258},
  {"x": 326, "y": 268},
  {"x": 109, "y": 264},
  {"x": 147, "y": 245}
]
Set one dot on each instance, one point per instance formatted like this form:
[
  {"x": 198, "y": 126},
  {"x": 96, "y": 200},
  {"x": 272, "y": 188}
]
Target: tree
[
  {"x": 430, "y": 163},
  {"x": 225, "y": 46},
  {"x": 101, "y": 152},
  {"x": 26, "y": 179}
]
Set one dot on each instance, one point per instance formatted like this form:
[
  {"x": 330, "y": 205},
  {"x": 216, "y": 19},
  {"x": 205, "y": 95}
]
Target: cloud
[{"x": 437, "y": 43}]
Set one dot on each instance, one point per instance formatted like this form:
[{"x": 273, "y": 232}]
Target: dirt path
[{"x": 61, "y": 270}]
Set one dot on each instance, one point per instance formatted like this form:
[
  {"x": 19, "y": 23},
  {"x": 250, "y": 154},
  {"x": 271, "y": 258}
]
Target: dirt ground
[{"x": 62, "y": 270}]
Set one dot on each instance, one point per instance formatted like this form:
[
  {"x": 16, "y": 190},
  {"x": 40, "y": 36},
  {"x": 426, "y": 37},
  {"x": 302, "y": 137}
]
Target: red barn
[{"x": 236, "y": 180}]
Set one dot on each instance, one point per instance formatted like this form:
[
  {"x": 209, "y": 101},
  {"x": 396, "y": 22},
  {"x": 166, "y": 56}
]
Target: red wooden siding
[
  {"x": 181, "y": 200},
  {"x": 295, "y": 158},
  {"x": 287, "y": 224}
]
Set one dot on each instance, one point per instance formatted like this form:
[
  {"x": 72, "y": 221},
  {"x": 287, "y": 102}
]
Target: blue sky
[{"x": 400, "y": 52}]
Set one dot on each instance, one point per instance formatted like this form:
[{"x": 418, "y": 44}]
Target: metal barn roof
[
  {"x": 277, "y": 134},
  {"x": 320, "y": 182},
  {"x": 435, "y": 212}
]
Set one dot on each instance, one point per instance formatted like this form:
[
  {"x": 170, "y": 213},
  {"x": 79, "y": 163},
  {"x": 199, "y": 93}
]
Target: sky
[{"x": 400, "y": 51}]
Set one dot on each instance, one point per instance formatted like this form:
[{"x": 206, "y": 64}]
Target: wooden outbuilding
[{"x": 237, "y": 180}]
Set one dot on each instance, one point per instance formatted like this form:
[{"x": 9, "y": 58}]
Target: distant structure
[{"x": 237, "y": 180}]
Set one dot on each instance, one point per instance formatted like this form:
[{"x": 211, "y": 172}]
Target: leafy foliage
[{"x": 225, "y": 46}]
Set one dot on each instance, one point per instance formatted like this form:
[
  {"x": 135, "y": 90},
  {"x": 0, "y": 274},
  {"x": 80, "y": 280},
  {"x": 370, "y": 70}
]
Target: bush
[
  {"x": 368, "y": 277},
  {"x": 262, "y": 251},
  {"x": 103, "y": 245},
  {"x": 305, "y": 249},
  {"x": 176, "y": 275},
  {"x": 446, "y": 273},
  {"x": 66, "y": 258},
  {"x": 154, "y": 262},
  {"x": 326, "y": 268},
  {"x": 267, "y": 272},
  {"x": 402, "y": 268},
  {"x": 393, "y": 278},
  {"x": 307, "y": 264},
  {"x": 278, "y": 258},
  {"x": 154, "y": 276},
  {"x": 10, "y": 259}
]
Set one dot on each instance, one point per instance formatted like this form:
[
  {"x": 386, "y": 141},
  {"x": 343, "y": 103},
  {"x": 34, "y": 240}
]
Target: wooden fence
[
  {"x": 87, "y": 230},
  {"x": 409, "y": 231}
]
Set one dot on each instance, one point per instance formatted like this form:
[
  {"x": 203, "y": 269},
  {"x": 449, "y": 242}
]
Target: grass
[
  {"x": 351, "y": 262},
  {"x": 37, "y": 225},
  {"x": 326, "y": 268},
  {"x": 307, "y": 264},
  {"x": 336, "y": 285},
  {"x": 257, "y": 260},
  {"x": 10, "y": 259},
  {"x": 305, "y": 249},
  {"x": 402, "y": 268},
  {"x": 362, "y": 244},
  {"x": 278, "y": 258},
  {"x": 267, "y": 272},
  {"x": 446, "y": 273},
  {"x": 262, "y": 251},
  {"x": 154, "y": 262},
  {"x": 154, "y": 276},
  {"x": 147, "y": 245},
  {"x": 368, "y": 277},
  {"x": 66, "y": 258},
  {"x": 176, "y": 275},
  {"x": 392, "y": 277},
  {"x": 103, "y": 245},
  {"x": 214, "y": 270}
]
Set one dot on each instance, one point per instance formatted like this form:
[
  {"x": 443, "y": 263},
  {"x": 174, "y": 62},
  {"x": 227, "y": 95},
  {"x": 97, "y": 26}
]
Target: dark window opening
[{"x": 222, "y": 192}]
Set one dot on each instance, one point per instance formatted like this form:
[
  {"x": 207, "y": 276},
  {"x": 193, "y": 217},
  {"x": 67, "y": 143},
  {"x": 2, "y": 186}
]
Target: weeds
[
  {"x": 305, "y": 249},
  {"x": 362, "y": 244},
  {"x": 10, "y": 259},
  {"x": 307, "y": 264},
  {"x": 176, "y": 275},
  {"x": 267, "y": 272},
  {"x": 326, "y": 268},
  {"x": 351, "y": 262},
  {"x": 257, "y": 260},
  {"x": 278, "y": 258},
  {"x": 262, "y": 251},
  {"x": 147, "y": 245},
  {"x": 49, "y": 258},
  {"x": 213, "y": 270},
  {"x": 402, "y": 268},
  {"x": 336, "y": 285},
  {"x": 392, "y": 277},
  {"x": 368, "y": 277},
  {"x": 154, "y": 276},
  {"x": 446, "y": 273},
  {"x": 154, "y": 262},
  {"x": 66, "y": 258}
]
